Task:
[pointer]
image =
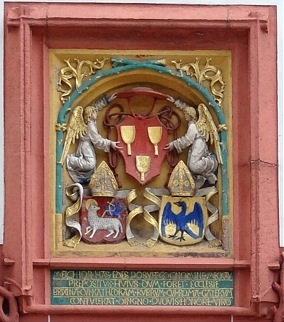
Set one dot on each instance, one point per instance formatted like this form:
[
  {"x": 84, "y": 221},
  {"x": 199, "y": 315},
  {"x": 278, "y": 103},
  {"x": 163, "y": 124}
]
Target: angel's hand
[
  {"x": 115, "y": 145},
  {"x": 112, "y": 97},
  {"x": 170, "y": 99},
  {"x": 169, "y": 146}
]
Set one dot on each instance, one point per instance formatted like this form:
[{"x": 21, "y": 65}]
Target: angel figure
[
  {"x": 83, "y": 126},
  {"x": 200, "y": 161}
]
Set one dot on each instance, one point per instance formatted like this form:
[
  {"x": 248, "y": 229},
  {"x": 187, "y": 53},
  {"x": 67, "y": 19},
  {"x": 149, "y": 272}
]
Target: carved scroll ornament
[{"x": 8, "y": 305}]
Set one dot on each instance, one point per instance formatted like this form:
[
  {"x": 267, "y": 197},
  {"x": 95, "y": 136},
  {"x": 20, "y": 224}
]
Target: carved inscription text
[{"x": 142, "y": 288}]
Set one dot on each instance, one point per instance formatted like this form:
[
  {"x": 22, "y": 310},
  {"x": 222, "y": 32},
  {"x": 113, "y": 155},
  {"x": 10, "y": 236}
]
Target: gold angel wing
[
  {"x": 75, "y": 130},
  {"x": 207, "y": 127}
]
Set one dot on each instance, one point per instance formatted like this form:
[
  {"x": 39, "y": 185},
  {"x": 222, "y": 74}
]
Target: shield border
[
  {"x": 100, "y": 235},
  {"x": 155, "y": 169},
  {"x": 189, "y": 240}
]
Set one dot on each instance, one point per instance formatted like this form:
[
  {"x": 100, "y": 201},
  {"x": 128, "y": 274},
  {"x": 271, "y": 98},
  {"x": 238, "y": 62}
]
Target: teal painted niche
[{"x": 120, "y": 66}]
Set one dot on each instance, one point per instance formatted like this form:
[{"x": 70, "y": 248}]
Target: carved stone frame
[{"x": 31, "y": 29}]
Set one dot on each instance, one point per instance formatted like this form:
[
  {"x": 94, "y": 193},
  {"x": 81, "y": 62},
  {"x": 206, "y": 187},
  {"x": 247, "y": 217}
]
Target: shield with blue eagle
[{"x": 182, "y": 220}]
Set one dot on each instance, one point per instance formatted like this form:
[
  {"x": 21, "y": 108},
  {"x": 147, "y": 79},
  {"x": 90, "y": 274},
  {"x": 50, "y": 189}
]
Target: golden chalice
[
  {"x": 128, "y": 136},
  {"x": 143, "y": 165},
  {"x": 155, "y": 136}
]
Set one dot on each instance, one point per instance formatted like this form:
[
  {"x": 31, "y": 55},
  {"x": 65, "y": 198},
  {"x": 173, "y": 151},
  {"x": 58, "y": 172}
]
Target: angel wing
[
  {"x": 75, "y": 130},
  {"x": 207, "y": 127}
]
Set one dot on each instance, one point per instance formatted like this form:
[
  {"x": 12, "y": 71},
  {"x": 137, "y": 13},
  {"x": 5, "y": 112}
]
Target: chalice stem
[
  {"x": 128, "y": 149},
  {"x": 143, "y": 165},
  {"x": 155, "y": 136},
  {"x": 156, "y": 149}
]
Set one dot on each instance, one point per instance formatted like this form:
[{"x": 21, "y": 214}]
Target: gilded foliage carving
[
  {"x": 208, "y": 73},
  {"x": 72, "y": 75}
]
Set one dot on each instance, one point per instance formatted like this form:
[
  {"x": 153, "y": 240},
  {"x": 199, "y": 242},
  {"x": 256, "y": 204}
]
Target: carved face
[
  {"x": 94, "y": 207},
  {"x": 94, "y": 115},
  {"x": 189, "y": 113},
  {"x": 187, "y": 117},
  {"x": 90, "y": 114}
]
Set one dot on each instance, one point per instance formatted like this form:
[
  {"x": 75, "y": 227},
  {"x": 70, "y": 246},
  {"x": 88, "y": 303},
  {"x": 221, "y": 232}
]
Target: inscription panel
[{"x": 78, "y": 287}]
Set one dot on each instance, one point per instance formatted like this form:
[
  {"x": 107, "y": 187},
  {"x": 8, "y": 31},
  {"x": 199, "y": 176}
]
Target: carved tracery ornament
[
  {"x": 75, "y": 73},
  {"x": 207, "y": 73}
]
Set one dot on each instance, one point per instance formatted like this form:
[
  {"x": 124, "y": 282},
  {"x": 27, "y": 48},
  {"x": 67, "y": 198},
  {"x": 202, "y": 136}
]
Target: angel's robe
[
  {"x": 200, "y": 160},
  {"x": 82, "y": 164}
]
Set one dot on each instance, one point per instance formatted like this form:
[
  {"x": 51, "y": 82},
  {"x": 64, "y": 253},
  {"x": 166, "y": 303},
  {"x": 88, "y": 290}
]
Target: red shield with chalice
[{"x": 143, "y": 141}]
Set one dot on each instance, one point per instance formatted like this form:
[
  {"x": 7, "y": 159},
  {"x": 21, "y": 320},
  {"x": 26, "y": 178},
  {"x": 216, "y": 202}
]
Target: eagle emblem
[{"x": 182, "y": 220}]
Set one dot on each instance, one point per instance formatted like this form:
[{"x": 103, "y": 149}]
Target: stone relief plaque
[
  {"x": 141, "y": 152},
  {"x": 146, "y": 288}
]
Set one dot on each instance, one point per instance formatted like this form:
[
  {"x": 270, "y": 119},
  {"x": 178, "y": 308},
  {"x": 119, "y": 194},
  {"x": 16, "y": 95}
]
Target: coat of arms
[
  {"x": 143, "y": 142},
  {"x": 103, "y": 219},
  {"x": 183, "y": 220},
  {"x": 139, "y": 130}
]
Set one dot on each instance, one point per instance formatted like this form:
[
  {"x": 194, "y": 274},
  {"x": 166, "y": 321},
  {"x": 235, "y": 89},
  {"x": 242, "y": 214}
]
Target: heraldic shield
[
  {"x": 103, "y": 219},
  {"x": 182, "y": 220},
  {"x": 143, "y": 141}
]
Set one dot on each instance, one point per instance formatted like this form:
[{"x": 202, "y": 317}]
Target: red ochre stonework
[{"x": 30, "y": 250}]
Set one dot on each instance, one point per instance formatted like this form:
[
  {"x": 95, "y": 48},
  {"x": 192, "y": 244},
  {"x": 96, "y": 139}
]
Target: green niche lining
[{"x": 129, "y": 65}]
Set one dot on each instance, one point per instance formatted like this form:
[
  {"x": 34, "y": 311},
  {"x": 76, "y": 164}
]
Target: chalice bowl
[
  {"x": 143, "y": 165},
  {"x": 128, "y": 136},
  {"x": 155, "y": 136}
]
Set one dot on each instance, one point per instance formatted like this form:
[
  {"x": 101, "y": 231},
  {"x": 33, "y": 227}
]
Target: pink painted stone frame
[{"x": 250, "y": 33}]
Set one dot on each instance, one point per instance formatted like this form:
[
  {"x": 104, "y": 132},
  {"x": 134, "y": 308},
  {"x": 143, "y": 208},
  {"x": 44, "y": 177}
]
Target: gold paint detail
[
  {"x": 207, "y": 127},
  {"x": 138, "y": 210},
  {"x": 153, "y": 222},
  {"x": 161, "y": 62},
  {"x": 222, "y": 127},
  {"x": 73, "y": 241},
  {"x": 143, "y": 163},
  {"x": 215, "y": 243},
  {"x": 103, "y": 182},
  {"x": 151, "y": 194},
  {"x": 150, "y": 219},
  {"x": 135, "y": 210},
  {"x": 70, "y": 219},
  {"x": 74, "y": 73},
  {"x": 226, "y": 234},
  {"x": 61, "y": 127},
  {"x": 70, "y": 211},
  {"x": 133, "y": 242},
  {"x": 91, "y": 202},
  {"x": 128, "y": 136},
  {"x": 150, "y": 243},
  {"x": 155, "y": 136},
  {"x": 58, "y": 228},
  {"x": 207, "y": 73},
  {"x": 181, "y": 182},
  {"x": 76, "y": 129}
]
